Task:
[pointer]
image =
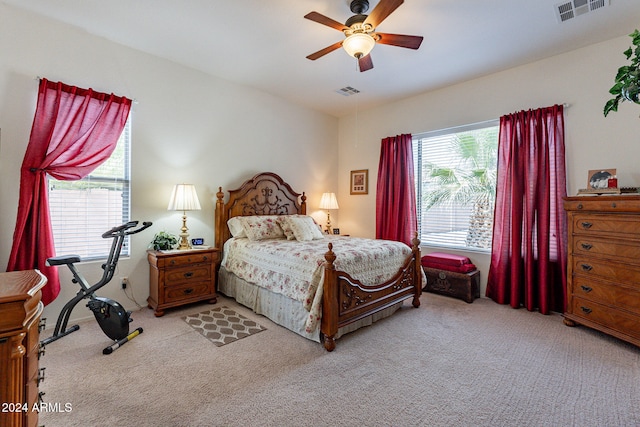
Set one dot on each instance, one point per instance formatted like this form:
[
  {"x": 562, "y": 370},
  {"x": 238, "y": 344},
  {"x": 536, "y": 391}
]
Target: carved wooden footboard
[{"x": 345, "y": 299}]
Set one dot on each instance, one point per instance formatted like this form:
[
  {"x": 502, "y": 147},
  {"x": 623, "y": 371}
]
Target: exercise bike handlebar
[{"x": 124, "y": 229}]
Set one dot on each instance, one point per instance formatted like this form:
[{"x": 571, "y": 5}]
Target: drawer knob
[
  {"x": 586, "y": 267},
  {"x": 579, "y": 205},
  {"x": 585, "y": 310},
  {"x": 586, "y": 225},
  {"x": 41, "y": 350},
  {"x": 188, "y": 274},
  {"x": 188, "y": 291},
  {"x": 172, "y": 262},
  {"x": 587, "y": 289},
  {"x": 42, "y": 325},
  {"x": 586, "y": 246}
]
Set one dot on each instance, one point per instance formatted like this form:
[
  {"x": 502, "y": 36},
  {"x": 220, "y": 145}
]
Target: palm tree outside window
[{"x": 455, "y": 172}]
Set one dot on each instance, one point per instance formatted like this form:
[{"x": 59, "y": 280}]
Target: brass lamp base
[{"x": 184, "y": 235}]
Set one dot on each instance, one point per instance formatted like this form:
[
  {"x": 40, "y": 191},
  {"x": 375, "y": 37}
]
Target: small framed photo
[
  {"x": 599, "y": 178},
  {"x": 336, "y": 231},
  {"x": 360, "y": 181}
]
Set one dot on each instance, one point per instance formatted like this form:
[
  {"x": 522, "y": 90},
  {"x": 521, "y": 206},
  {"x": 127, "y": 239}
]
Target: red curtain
[
  {"x": 529, "y": 251},
  {"x": 74, "y": 131},
  {"x": 396, "y": 217}
]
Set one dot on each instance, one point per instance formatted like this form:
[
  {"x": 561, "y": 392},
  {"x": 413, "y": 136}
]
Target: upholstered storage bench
[{"x": 451, "y": 275}]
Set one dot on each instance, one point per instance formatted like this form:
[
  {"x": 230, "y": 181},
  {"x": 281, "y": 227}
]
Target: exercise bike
[{"x": 111, "y": 316}]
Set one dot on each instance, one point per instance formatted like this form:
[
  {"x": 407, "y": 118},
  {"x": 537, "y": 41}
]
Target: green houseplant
[
  {"x": 627, "y": 84},
  {"x": 163, "y": 241}
]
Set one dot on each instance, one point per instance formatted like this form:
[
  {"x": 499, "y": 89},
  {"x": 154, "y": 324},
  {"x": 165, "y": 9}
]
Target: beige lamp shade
[
  {"x": 184, "y": 198},
  {"x": 329, "y": 201}
]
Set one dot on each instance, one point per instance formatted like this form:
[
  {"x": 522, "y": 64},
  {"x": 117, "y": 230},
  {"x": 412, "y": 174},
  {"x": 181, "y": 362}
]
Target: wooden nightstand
[{"x": 181, "y": 277}]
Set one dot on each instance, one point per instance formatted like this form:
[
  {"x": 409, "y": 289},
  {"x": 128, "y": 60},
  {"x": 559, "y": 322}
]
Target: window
[
  {"x": 82, "y": 210},
  {"x": 456, "y": 184}
]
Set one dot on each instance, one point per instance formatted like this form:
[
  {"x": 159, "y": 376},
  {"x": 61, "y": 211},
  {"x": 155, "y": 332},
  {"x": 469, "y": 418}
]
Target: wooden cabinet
[
  {"x": 603, "y": 283},
  {"x": 181, "y": 277},
  {"x": 20, "y": 311}
]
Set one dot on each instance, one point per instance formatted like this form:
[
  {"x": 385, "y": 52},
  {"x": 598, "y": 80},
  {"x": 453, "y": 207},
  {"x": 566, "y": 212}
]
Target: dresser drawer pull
[
  {"x": 586, "y": 246},
  {"x": 40, "y": 399},
  {"x": 586, "y": 267},
  {"x": 40, "y": 376},
  {"x": 188, "y": 274},
  {"x": 42, "y": 324},
  {"x": 41, "y": 350},
  {"x": 172, "y": 262},
  {"x": 586, "y": 224},
  {"x": 587, "y": 289},
  {"x": 585, "y": 310},
  {"x": 188, "y": 291}
]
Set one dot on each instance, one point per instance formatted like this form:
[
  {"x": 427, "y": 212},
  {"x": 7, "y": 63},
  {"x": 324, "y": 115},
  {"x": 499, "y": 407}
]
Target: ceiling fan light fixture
[{"x": 358, "y": 45}]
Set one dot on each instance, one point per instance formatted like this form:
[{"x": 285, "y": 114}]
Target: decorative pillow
[
  {"x": 304, "y": 228},
  {"x": 261, "y": 227},
  {"x": 235, "y": 227},
  {"x": 286, "y": 227}
]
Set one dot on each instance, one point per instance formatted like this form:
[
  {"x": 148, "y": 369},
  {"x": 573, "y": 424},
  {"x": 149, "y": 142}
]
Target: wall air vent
[{"x": 570, "y": 9}]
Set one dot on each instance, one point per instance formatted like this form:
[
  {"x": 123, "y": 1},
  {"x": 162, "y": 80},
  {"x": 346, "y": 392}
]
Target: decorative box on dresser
[
  {"x": 181, "y": 277},
  {"x": 20, "y": 312},
  {"x": 603, "y": 269}
]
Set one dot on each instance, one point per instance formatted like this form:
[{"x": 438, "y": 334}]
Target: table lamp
[
  {"x": 184, "y": 198},
  {"x": 328, "y": 202}
]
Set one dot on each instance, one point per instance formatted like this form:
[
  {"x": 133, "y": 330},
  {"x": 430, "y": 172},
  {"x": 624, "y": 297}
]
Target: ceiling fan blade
[
  {"x": 325, "y": 20},
  {"x": 365, "y": 63},
  {"x": 324, "y": 51},
  {"x": 381, "y": 11},
  {"x": 401, "y": 40}
]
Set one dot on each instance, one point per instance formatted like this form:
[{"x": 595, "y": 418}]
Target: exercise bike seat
[{"x": 63, "y": 260}]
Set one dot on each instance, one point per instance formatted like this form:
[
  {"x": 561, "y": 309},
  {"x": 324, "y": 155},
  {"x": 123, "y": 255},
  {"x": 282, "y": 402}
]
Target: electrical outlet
[{"x": 125, "y": 282}]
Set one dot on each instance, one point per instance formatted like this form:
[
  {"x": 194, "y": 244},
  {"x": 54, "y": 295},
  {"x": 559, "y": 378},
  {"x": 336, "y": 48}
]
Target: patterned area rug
[{"x": 221, "y": 325}]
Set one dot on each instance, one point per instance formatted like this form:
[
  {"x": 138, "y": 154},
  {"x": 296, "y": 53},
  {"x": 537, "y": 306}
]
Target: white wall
[
  {"x": 580, "y": 78},
  {"x": 187, "y": 127}
]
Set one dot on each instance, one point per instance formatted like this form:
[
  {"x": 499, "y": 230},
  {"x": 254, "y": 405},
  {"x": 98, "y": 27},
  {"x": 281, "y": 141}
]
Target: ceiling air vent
[
  {"x": 572, "y": 8},
  {"x": 347, "y": 91}
]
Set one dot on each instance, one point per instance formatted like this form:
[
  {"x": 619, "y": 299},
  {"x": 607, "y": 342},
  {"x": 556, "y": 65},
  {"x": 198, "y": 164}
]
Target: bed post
[
  {"x": 329, "y": 322},
  {"x": 417, "y": 273},
  {"x": 219, "y": 219},
  {"x": 303, "y": 204}
]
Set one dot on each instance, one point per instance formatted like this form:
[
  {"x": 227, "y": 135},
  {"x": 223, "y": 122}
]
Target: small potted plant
[
  {"x": 627, "y": 84},
  {"x": 163, "y": 241}
]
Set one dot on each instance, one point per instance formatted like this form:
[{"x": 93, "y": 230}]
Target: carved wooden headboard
[{"x": 264, "y": 194}]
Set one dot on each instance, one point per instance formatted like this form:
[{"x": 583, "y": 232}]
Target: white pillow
[
  {"x": 286, "y": 228},
  {"x": 304, "y": 228},
  {"x": 261, "y": 227},
  {"x": 235, "y": 227}
]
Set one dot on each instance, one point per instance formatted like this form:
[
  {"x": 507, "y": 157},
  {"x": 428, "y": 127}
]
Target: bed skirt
[{"x": 283, "y": 310}]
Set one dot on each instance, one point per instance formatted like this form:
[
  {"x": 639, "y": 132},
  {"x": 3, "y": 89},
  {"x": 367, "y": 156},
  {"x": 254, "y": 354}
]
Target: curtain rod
[{"x": 133, "y": 101}]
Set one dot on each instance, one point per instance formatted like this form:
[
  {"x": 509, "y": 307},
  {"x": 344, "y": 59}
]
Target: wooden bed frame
[{"x": 345, "y": 299}]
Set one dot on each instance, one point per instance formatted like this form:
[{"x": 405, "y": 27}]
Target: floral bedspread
[{"x": 295, "y": 269}]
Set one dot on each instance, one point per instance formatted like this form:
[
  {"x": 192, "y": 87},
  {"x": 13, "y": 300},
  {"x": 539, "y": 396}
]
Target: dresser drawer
[
  {"x": 617, "y": 320},
  {"x": 183, "y": 292},
  {"x": 623, "y": 225},
  {"x": 594, "y": 268},
  {"x": 622, "y": 250},
  {"x": 178, "y": 276},
  {"x": 607, "y": 293}
]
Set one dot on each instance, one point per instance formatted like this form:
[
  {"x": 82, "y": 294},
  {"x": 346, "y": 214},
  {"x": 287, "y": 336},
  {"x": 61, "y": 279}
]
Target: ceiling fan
[{"x": 360, "y": 31}]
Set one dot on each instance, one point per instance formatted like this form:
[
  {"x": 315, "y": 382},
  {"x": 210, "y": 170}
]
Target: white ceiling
[{"x": 263, "y": 43}]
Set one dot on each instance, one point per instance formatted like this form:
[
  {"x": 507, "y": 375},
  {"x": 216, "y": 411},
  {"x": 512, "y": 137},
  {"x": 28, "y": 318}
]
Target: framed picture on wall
[
  {"x": 360, "y": 181},
  {"x": 599, "y": 178}
]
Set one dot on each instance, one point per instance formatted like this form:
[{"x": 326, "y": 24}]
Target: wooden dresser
[
  {"x": 20, "y": 311},
  {"x": 603, "y": 283},
  {"x": 181, "y": 277}
]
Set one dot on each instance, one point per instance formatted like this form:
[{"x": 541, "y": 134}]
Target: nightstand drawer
[
  {"x": 188, "y": 259},
  {"x": 177, "y": 276},
  {"x": 185, "y": 292}
]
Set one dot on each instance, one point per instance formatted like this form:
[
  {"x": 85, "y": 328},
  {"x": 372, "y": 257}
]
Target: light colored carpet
[{"x": 447, "y": 363}]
